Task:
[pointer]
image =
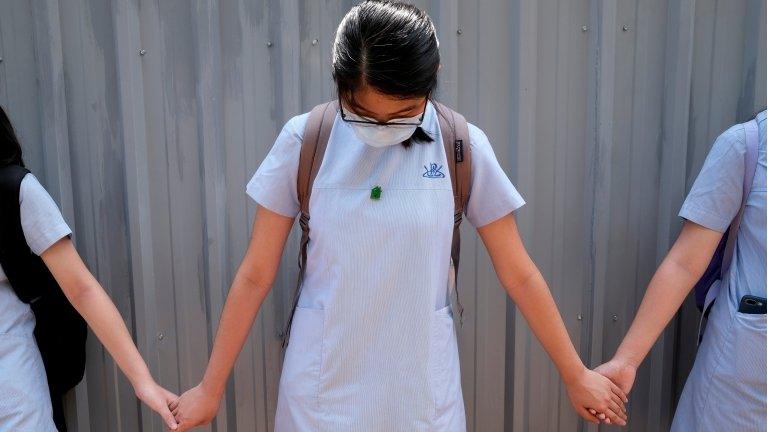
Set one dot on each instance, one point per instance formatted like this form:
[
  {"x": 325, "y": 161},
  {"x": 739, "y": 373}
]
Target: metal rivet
[
  {"x": 142, "y": 52},
  {"x": 269, "y": 44},
  {"x": 458, "y": 32},
  {"x": 314, "y": 41},
  {"x": 584, "y": 28},
  {"x": 615, "y": 318},
  {"x": 625, "y": 28},
  {"x": 160, "y": 336},
  {"x": 579, "y": 317}
]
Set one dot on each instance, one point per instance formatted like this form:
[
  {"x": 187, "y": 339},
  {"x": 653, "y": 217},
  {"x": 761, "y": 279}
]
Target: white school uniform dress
[
  {"x": 25, "y": 404},
  {"x": 372, "y": 345},
  {"x": 726, "y": 390}
]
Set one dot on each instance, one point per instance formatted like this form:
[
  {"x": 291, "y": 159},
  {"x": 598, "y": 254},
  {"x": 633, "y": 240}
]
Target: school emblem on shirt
[{"x": 434, "y": 171}]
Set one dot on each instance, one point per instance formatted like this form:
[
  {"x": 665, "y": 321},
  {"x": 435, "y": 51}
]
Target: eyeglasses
[{"x": 366, "y": 121}]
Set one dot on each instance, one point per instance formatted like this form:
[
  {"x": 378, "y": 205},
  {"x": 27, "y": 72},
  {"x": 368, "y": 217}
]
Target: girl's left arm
[
  {"x": 92, "y": 302},
  {"x": 528, "y": 289}
]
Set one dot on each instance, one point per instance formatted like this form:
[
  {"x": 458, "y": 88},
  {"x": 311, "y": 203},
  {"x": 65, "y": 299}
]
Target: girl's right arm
[{"x": 251, "y": 285}]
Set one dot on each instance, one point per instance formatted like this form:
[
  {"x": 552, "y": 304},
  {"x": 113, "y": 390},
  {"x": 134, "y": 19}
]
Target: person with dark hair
[
  {"x": 42, "y": 277},
  {"x": 390, "y": 173}
]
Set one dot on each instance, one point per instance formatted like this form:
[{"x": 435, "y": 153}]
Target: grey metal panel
[{"x": 602, "y": 129}]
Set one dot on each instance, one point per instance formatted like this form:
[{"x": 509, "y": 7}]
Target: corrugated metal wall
[{"x": 145, "y": 119}]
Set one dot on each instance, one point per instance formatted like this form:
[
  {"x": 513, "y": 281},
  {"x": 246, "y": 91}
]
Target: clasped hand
[{"x": 598, "y": 395}]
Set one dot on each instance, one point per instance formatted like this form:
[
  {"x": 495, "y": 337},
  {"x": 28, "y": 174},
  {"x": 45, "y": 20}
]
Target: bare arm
[
  {"x": 92, "y": 302},
  {"x": 681, "y": 269},
  {"x": 251, "y": 285},
  {"x": 526, "y": 286}
]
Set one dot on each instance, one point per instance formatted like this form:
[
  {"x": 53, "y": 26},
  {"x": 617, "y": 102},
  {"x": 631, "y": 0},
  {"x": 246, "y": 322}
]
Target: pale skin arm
[
  {"x": 251, "y": 285},
  {"x": 92, "y": 302},
  {"x": 525, "y": 285},
  {"x": 678, "y": 273}
]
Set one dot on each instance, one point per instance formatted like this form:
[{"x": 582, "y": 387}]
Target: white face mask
[{"x": 383, "y": 135}]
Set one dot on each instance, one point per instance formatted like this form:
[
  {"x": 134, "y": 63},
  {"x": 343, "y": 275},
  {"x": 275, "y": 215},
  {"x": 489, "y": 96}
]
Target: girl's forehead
[{"x": 369, "y": 101}]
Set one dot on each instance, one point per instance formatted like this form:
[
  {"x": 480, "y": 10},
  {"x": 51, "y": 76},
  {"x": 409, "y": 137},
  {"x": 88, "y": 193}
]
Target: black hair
[
  {"x": 10, "y": 149},
  {"x": 390, "y": 46}
]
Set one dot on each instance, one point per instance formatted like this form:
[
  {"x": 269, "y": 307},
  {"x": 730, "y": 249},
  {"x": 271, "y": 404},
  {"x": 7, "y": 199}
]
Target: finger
[
  {"x": 619, "y": 403},
  {"x": 169, "y": 418},
  {"x": 593, "y": 412},
  {"x": 585, "y": 414},
  {"x": 602, "y": 416},
  {"x": 175, "y": 412},
  {"x": 614, "y": 417},
  {"x": 174, "y": 404},
  {"x": 615, "y": 407},
  {"x": 619, "y": 392}
]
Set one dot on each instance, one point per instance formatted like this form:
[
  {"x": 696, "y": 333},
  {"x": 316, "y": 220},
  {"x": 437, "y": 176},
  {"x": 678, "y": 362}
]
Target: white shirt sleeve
[
  {"x": 41, "y": 220},
  {"x": 715, "y": 196},
  {"x": 492, "y": 194},
  {"x": 273, "y": 186}
]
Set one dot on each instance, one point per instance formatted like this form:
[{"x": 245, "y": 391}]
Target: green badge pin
[{"x": 376, "y": 192}]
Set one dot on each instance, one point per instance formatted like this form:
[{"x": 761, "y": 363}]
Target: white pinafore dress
[
  {"x": 726, "y": 389},
  {"x": 373, "y": 345}
]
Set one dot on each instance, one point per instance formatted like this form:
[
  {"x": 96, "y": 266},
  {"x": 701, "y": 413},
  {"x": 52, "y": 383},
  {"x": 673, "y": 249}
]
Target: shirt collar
[{"x": 430, "y": 123}]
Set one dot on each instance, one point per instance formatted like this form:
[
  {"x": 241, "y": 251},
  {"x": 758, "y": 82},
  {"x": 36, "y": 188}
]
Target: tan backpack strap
[
  {"x": 316, "y": 134},
  {"x": 455, "y": 134}
]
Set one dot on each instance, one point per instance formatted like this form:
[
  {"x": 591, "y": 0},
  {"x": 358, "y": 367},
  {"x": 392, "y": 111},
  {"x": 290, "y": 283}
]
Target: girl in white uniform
[
  {"x": 726, "y": 389},
  {"x": 373, "y": 346},
  {"x": 25, "y": 404}
]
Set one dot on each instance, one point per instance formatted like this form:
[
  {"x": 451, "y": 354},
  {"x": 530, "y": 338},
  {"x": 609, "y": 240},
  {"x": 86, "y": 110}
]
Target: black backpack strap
[
  {"x": 455, "y": 134},
  {"x": 13, "y": 246},
  {"x": 316, "y": 134}
]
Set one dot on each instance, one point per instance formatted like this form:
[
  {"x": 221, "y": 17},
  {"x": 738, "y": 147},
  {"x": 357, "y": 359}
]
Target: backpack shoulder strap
[
  {"x": 455, "y": 133},
  {"x": 11, "y": 177},
  {"x": 750, "y": 165},
  {"x": 316, "y": 134},
  {"x": 313, "y": 145}
]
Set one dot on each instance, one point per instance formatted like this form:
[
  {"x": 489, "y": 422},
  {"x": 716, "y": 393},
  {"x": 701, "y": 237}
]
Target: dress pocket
[
  {"x": 445, "y": 375},
  {"x": 738, "y": 382},
  {"x": 298, "y": 405}
]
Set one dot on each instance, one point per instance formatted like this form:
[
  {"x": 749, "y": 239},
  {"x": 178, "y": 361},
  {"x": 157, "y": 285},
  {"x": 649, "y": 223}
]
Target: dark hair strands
[
  {"x": 391, "y": 47},
  {"x": 10, "y": 149}
]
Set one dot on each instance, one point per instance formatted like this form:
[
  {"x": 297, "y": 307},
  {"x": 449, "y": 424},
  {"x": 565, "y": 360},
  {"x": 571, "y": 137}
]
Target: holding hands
[
  {"x": 622, "y": 374},
  {"x": 592, "y": 393},
  {"x": 158, "y": 399},
  {"x": 196, "y": 407}
]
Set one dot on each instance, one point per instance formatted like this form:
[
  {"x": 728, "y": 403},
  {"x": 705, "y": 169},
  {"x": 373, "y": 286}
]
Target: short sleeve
[
  {"x": 492, "y": 194},
  {"x": 273, "y": 186},
  {"x": 715, "y": 196},
  {"x": 41, "y": 220}
]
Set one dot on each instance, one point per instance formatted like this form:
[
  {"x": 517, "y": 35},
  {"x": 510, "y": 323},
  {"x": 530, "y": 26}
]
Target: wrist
[
  {"x": 571, "y": 374},
  {"x": 141, "y": 379},
  {"x": 212, "y": 389},
  {"x": 626, "y": 360}
]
